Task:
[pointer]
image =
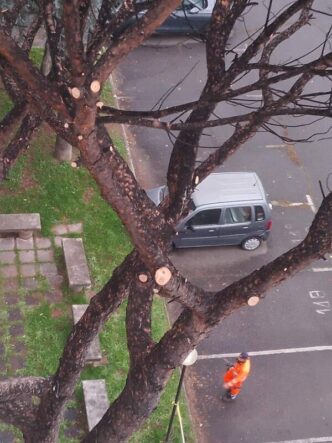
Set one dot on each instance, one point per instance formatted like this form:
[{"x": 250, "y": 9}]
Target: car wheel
[{"x": 251, "y": 243}]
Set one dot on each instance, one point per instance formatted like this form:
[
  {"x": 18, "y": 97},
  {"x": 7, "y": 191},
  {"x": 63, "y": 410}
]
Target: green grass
[
  {"x": 5, "y": 104},
  {"x": 62, "y": 194}
]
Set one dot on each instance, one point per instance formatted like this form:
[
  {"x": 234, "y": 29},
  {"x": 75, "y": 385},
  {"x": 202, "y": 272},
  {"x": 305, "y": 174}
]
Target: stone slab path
[{"x": 27, "y": 268}]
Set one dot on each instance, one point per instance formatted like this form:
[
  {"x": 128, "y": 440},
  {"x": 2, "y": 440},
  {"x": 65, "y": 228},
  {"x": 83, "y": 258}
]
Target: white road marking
[
  {"x": 254, "y": 96},
  {"x": 286, "y": 204},
  {"x": 321, "y": 269},
  {"x": 244, "y": 48},
  {"x": 276, "y": 146},
  {"x": 268, "y": 352},
  {"x": 306, "y": 440},
  {"x": 311, "y": 203}
]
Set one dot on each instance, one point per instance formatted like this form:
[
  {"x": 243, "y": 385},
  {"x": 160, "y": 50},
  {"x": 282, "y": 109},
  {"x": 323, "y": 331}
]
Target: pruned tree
[{"x": 85, "y": 48}]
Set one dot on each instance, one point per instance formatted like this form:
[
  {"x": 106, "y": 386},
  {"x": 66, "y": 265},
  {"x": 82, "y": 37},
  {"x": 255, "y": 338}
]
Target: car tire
[{"x": 251, "y": 243}]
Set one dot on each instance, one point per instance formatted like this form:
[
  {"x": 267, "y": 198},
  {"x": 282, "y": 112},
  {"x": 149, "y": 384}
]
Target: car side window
[
  {"x": 259, "y": 213},
  {"x": 238, "y": 215},
  {"x": 208, "y": 217},
  {"x": 189, "y": 4}
]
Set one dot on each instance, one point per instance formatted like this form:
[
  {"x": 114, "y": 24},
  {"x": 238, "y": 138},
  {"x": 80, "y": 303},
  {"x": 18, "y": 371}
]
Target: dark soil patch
[{"x": 16, "y": 330}]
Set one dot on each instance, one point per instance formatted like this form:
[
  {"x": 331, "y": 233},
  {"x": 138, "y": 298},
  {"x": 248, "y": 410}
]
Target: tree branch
[
  {"x": 20, "y": 142},
  {"x": 17, "y": 404},
  {"x": 132, "y": 38},
  {"x": 138, "y": 317},
  {"x": 74, "y": 43},
  {"x": 37, "y": 84}
]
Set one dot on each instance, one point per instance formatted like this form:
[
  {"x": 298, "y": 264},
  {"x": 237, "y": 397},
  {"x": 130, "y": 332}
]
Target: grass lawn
[{"x": 62, "y": 194}]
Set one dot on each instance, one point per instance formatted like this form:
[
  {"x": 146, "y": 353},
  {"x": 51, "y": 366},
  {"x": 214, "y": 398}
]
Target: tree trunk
[{"x": 62, "y": 150}]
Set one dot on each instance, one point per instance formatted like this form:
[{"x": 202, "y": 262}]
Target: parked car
[
  {"x": 228, "y": 208},
  {"x": 190, "y": 18}
]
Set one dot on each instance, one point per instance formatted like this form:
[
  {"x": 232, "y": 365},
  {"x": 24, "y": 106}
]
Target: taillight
[{"x": 268, "y": 225}]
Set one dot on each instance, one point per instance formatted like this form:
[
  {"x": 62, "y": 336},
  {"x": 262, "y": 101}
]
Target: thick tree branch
[
  {"x": 30, "y": 33},
  {"x": 37, "y": 84},
  {"x": 10, "y": 121},
  {"x": 269, "y": 112},
  {"x": 74, "y": 43},
  {"x": 138, "y": 316},
  {"x": 18, "y": 400},
  {"x": 18, "y": 144},
  {"x": 182, "y": 162},
  {"x": 276, "y": 41}
]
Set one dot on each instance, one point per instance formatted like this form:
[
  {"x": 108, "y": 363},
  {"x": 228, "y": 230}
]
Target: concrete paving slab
[
  {"x": 26, "y": 256},
  {"x": 24, "y": 244},
  {"x": 75, "y": 228},
  {"x": 96, "y": 401},
  {"x": 7, "y": 244},
  {"x": 60, "y": 229},
  {"x": 29, "y": 270},
  {"x": 45, "y": 255},
  {"x": 10, "y": 285},
  {"x": 8, "y": 271},
  {"x": 43, "y": 242},
  {"x": 47, "y": 269},
  {"x": 19, "y": 222},
  {"x": 30, "y": 283},
  {"x": 76, "y": 263},
  {"x": 7, "y": 257}
]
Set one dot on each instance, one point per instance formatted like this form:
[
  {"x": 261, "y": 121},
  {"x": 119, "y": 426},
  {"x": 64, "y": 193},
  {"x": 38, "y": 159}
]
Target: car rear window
[{"x": 259, "y": 213}]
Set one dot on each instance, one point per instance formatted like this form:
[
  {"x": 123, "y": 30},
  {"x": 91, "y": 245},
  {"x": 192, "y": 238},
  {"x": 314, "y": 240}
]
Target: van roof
[{"x": 225, "y": 187}]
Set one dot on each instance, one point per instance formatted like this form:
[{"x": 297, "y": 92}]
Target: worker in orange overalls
[{"x": 235, "y": 376}]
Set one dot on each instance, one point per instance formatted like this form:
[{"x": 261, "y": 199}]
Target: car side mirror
[{"x": 190, "y": 228}]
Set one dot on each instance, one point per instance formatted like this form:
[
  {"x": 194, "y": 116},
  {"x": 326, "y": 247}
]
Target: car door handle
[
  {"x": 245, "y": 227},
  {"x": 212, "y": 230}
]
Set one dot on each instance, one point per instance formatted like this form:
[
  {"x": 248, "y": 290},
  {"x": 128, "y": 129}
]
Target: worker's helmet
[{"x": 243, "y": 356}]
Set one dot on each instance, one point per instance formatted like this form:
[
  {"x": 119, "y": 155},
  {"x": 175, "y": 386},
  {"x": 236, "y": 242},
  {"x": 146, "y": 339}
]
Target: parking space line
[
  {"x": 311, "y": 203},
  {"x": 305, "y": 440},
  {"x": 241, "y": 49},
  {"x": 321, "y": 269},
  {"x": 288, "y": 204},
  {"x": 267, "y": 352},
  {"x": 259, "y": 96}
]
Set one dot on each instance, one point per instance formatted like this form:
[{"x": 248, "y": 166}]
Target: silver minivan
[{"x": 227, "y": 208}]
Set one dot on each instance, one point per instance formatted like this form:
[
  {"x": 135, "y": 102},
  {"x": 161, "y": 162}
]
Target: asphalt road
[{"x": 288, "y": 397}]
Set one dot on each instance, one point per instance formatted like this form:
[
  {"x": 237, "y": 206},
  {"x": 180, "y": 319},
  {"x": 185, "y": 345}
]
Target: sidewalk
[{"x": 29, "y": 277}]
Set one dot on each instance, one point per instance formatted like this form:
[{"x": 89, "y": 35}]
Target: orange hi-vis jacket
[{"x": 236, "y": 375}]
